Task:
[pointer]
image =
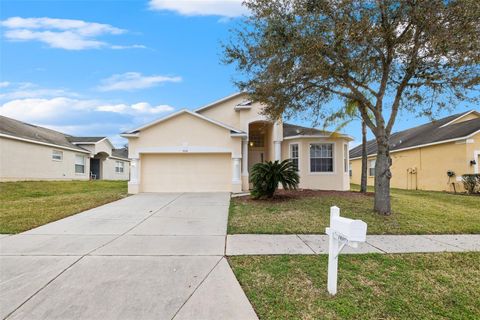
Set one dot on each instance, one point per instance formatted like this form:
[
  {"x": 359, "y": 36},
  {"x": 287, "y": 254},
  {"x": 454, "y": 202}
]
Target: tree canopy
[
  {"x": 299, "y": 54},
  {"x": 386, "y": 55}
]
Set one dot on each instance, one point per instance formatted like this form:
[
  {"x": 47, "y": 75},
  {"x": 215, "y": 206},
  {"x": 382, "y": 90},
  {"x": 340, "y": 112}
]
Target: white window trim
[
  {"x": 123, "y": 167},
  {"x": 84, "y": 165},
  {"x": 299, "y": 152},
  {"x": 369, "y": 161},
  {"x": 346, "y": 159},
  {"x": 58, "y": 160},
  {"x": 476, "y": 167},
  {"x": 334, "y": 171}
]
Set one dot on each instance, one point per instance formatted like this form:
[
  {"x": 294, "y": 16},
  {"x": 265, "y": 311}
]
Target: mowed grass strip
[
  {"x": 414, "y": 212},
  {"x": 29, "y": 204},
  {"x": 404, "y": 286}
]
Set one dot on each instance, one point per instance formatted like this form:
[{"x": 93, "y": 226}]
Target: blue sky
[{"x": 102, "y": 67}]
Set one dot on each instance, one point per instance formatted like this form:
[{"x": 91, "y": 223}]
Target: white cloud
[
  {"x": 80, "y": 27},
  {"x": 134, "y": 80},
  {"x": 37, "y": 110},
  {"x": 4, "y": 84},
  {"x": 133, "y": 46},
  {"x": 141, "y": 108},
  {"x": 62, "y": 40},
  {"x": 66, "y": 34},
  {"x": 22, "y": 90},
  {"x": 223, "y": 8}
]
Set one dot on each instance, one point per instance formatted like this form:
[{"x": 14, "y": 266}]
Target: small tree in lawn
[
  {"x": 266, "y": 177},
  {"x": 416, "y": 55},
  {"x": 344, "y": 117}
]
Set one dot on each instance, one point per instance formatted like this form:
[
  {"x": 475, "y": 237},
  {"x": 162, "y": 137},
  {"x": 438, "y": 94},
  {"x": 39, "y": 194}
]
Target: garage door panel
[{"x": 185, "y": 172}]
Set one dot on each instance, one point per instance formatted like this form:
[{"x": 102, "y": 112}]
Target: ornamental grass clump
[
  {"x": 266, "y": 177},
  {"x": 471, "y": 183}
]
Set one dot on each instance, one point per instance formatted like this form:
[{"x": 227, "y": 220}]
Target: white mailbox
[
  {"x": 351, "y": 230},
  {"x": 342, "y": 231}
]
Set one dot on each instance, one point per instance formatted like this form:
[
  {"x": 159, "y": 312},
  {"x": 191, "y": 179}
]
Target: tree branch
[{"x": 409, "y": 72}]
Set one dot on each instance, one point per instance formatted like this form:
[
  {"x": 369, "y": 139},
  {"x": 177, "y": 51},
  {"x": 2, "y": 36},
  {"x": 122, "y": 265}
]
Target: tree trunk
[
  {"x": 363, "y": 180},
  {"x": 382, "y": 176}
]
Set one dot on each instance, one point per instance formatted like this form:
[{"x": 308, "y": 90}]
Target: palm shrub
[{"x": 266, "y": 177}]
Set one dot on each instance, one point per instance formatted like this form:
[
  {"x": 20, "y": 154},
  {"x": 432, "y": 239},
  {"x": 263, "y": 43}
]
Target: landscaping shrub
[
  {"x": 265, "y": 178},
  {"x": 471, "y": 182}
]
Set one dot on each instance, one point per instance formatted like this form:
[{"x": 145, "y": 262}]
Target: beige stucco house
[
  {"x": 422, "y": 156},
  {"x": 214, "y": 147},
  {"x": 29, "y": 152}
]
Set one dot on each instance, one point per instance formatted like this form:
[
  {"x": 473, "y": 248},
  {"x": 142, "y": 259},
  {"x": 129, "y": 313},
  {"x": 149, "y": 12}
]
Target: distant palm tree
[
  {"x": 266, "y": 177},
  {"x": 351, "y": 113}
]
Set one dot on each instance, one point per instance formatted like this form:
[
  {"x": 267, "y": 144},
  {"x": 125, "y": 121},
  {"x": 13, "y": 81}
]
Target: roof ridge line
[{"x": 37, "y": 126}]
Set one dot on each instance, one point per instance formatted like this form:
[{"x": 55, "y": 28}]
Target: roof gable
[
  {"x": 217, "y": 102},
  {"x": 173, "y": 115},
  {"x": 470, "y": 115}
]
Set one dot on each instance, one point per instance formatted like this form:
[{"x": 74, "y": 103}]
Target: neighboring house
[
  {"x": 215, "y": 147},
  {"x": 29, "y": 152},
  {"x": 422, "y": 156}
]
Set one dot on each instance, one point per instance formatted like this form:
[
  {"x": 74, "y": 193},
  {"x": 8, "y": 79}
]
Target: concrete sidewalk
[
  {"x": 259, "y": 244},
  {"x": 148, "y": 256}
]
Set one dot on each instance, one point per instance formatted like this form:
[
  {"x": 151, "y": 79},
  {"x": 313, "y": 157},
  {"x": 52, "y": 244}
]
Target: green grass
[
  {"x": 414, "y": 212},
  {"x": 29, "y": 204},
  {"x": 404, "y": 286}
]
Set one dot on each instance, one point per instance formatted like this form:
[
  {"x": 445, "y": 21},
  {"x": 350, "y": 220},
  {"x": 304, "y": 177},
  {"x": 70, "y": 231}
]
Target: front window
[
  {"x": 351, "y": 171},
  {"x": 321, "y": 157},
  {"x": 345, "y": 157},
  {"x": 119, "y": 165},
  {"x": 57, "y": 155},
  {"x": 371, "y": 167},
  {"x": 79, "y": 164},
  {"x": 294, "y": 155}
]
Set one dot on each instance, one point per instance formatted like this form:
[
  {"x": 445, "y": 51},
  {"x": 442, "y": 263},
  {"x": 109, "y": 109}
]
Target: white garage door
[{"x": 186, "y": 172}]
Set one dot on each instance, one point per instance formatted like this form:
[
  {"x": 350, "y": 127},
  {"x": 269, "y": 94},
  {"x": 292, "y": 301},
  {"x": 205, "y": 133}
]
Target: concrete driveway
[{"x": 148, "y": 256}]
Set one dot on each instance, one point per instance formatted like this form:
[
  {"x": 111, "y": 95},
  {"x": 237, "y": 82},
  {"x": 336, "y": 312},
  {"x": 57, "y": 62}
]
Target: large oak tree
[{"x": 386, "y": 55}]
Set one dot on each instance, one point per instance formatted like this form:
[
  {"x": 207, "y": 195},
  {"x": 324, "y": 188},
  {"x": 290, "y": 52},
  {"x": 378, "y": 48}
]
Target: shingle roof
[
  {"x": 290, "y": 130},
  {"x": 24, "y": 130},
  {"x": 85, "y": 139},
  {"x": 120, "y": 153},
  {"x": 431, "y": 132}
]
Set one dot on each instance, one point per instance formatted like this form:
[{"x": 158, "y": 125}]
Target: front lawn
[
  {"x": 404, "y": 286},
  {"x": 414, "y": 212},
  {"x": 29, "y": 204}
]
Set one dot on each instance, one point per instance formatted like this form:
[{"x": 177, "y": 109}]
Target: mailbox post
[{"x": 342, "y": 231}]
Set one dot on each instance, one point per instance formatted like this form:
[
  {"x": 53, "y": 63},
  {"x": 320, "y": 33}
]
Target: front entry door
[
  {"x": 255, "y": 156},
  {"x": 95, "y": 168}
]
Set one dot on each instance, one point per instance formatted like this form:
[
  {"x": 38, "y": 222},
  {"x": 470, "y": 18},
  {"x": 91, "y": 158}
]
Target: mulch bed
[{"x": 283, "y": 195}]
